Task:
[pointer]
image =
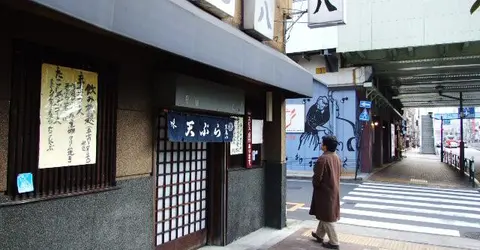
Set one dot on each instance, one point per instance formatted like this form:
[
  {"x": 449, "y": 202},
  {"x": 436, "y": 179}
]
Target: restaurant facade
[{"x": 158, "y": 125}]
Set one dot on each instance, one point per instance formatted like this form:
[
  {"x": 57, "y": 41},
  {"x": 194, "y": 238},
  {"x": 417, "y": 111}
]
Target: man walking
[{"x": 326, "y": 193}]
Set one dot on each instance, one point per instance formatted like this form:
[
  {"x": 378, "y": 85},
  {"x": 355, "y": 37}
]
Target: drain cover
[{"x": 472, "y": 235}]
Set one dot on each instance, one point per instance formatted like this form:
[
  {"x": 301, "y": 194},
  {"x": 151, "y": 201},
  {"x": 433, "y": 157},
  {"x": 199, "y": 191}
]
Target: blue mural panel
[{"x": 327, "y": 113}]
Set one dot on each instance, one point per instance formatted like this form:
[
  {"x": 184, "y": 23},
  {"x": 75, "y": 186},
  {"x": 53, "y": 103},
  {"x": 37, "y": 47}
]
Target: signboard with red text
[
  {"x": 248, "y": 140},
  {"x": 295, "y": 118}
]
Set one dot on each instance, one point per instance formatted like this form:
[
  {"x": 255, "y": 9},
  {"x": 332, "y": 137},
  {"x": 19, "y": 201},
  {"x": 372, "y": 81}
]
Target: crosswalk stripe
[
  {"x": 415, "y": 198},
  {"x": 417, "y": 210},
  {"x": 421, "y": 190},
  {"x": 418, "y": 194},
  {"x": 409, "y": 218},
  {"x": 411, "y": 203},
  {"x": 399, "y": 227}
]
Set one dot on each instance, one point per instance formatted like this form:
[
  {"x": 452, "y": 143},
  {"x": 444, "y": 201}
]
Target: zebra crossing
[{"x": 449, "y": 212}]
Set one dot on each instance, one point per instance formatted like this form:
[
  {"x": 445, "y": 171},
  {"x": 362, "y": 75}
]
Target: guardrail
[{"x": 454, "y": 161}]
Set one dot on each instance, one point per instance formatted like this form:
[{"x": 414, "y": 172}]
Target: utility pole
[
  {"x": 441, "y": 139},
  {"x": 462, "y": 143}
]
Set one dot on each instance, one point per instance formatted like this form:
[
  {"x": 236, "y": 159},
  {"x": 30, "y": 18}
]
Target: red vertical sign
[{"x": 248, "y": 141}]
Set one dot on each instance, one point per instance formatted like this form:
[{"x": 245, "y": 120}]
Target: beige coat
[{"x": 326, "y": 188}]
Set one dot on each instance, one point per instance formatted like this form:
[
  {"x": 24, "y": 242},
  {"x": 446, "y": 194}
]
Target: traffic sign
[
  {"x": 364, "y": 116},
  {"x": 365, "y": 104},
  {"x": 468, "y": 112}
]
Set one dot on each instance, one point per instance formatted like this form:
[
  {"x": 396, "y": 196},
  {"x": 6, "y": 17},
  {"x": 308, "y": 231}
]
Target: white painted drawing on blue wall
[{"x": 328, "y": 113}]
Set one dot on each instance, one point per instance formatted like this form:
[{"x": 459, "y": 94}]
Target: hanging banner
[
  {"x": 68, "y": 117},
  {"x": 196, "y": 128},
  {"x": 248, "y": 140},
  {"x": 295, "y": 118},
  {"x": 236, "y": 147}
]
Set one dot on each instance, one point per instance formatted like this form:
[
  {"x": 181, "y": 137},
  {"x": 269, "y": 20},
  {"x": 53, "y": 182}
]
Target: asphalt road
[
  {"x": 300, "y": 192},
  {"x": 438, "y": 211}
]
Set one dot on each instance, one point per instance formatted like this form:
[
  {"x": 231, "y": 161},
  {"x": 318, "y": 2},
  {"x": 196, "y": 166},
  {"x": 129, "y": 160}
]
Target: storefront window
[{"x": 247, "y": 144}]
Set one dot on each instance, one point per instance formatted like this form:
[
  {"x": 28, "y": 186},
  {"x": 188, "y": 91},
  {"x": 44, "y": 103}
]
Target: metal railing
[{"x": 454, "y": 161}]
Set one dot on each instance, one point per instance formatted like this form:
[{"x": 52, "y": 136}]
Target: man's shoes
[
  {"x": 314, "y": 235},
  {"x": 330, "y": 246}
]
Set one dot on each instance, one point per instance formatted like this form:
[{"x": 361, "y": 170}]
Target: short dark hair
[{"x": 330, "y": 142}]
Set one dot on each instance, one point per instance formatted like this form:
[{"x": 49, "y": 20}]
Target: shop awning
[{"x": 186, "y": 30}]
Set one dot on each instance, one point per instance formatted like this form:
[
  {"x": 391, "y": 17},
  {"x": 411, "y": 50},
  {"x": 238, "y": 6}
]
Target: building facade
[{"x": 112, "y": 137}]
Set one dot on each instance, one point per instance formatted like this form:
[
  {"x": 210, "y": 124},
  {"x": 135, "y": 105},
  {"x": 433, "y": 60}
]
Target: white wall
[
  {"x": 301, "y": 38},
  {"x": 382, "y": 24},
  {"x": 344, "y": 77}
]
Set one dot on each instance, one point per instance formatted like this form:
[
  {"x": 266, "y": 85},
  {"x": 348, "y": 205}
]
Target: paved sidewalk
[
  {"x": 297, "y": 236},
  {"x": 420, "y": 169},
  {"x": 302, "y": 239}
]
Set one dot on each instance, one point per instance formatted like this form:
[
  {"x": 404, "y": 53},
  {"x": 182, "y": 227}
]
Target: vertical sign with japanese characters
[
  {"x": 68, "y": 117},
  {"x": 236, "y": 146},
  {"x": 248, "y": 140}
]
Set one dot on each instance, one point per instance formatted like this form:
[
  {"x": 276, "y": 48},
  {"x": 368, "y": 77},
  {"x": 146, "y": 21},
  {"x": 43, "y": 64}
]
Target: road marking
[
  {"x": 417, "y": 210},
  {"x": 295, "y": 206},
  {"x": 421, "y": 188},
  {"x": 377, "y": 214},
  {"x": 419, "y": 181},
  {"x": 411, "y": 203},
  {"x": 418, "y": 194},
  {"x": 399, "y": 227},
  {"x": 459, "y": 192},
  {"x": 404, "y": 197}
]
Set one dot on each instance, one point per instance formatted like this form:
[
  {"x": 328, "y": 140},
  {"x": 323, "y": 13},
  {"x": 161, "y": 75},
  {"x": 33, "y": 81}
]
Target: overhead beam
[
  {"x": 410, "y": 51},
  {"x": 361, "y": 54},
  {"x": 440, "y": 99},
  {"x": 437, "y": 104},
  {"x": 444, "y": 50},
  {"x": 466, "y": 96},
  {"x": 378, "y": 97},
  {"x": 393, "y": 52},
  {"x": 445, "y": 82},
  {"x": 443, "y": 76},
  {"x": 432, "y": 89},
  {"x": 428, "y": 71}
]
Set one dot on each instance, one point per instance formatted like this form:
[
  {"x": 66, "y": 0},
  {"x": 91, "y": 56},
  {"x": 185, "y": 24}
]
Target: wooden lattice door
[{"x": 181, "y": 207}]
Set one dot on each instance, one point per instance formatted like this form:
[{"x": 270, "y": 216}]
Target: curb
[{"x": 349, "y": 179}]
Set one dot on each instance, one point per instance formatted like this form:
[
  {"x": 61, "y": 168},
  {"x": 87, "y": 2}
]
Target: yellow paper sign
[{"x": 68, "y": 117}]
